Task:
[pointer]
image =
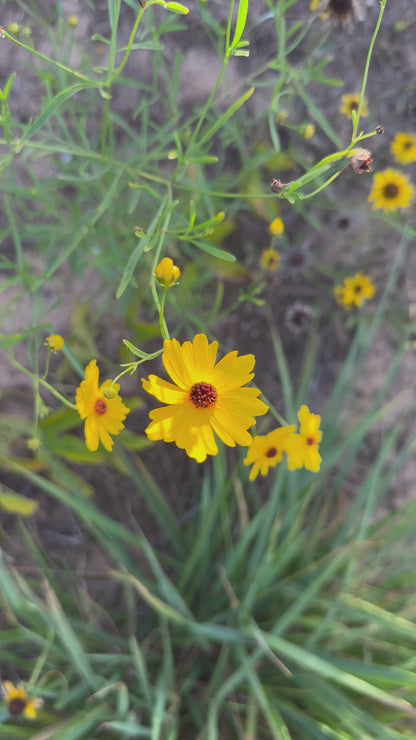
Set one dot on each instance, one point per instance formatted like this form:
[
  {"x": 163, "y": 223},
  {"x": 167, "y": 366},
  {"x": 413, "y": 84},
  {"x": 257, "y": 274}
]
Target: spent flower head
[
  {"x": 18, "y": 702},
  {"x": 267, "y": 450},
  {"x": 103, "y": 416},
  {"x": 391, "y": 190},
  {"x": 403, "y": 147},
  {"x": 54, "y": 342},
  {"x": 167, "y": 273},
  {"x": 302, "y": 449},
  {"x": 205, "y": 397},
  {"x": 354, "y": 291}
]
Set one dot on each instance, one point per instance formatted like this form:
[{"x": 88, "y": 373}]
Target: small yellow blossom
[
  {"x": 391, "y": 190},
  {"x": 73, "y": 21},
  {"x": 54, "y": 342},
  {"x": 167, "y": 273},
  {"x": 266, "y": 450},
  {"x": 205, "y": 397},
  {"x": 308, "y": 130},
  {"x": 350, "y": 103},
  {"x": 403, "y": 148},
  {"x": 303, "y": 449},
  {"x": 18, "y": 702},
  {"x": 13, "y": 28},
  {"x": 354, "y": 291},
  {"x": 103, "y": 416},
  {"x": 270, "y": 259},
  {"x": 276, "y": 227},
  {"x": 314, "y": 5}
]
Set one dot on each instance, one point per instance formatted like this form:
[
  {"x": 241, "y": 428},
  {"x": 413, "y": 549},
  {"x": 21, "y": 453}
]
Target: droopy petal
[{"x": 91, "y": 433}]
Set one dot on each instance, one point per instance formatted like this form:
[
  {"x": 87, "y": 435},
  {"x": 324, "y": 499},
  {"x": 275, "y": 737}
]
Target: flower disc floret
[
  {"x": 403, "y": 147},
  {"x": 391, "y": 190},
  {"x": 205, "y": 397},
  {"x": 303, "y": 449},
  {"x": 18, "y": 702},
  {"x": 266, "y": 450},
  {"x": 103, "y": 415}
]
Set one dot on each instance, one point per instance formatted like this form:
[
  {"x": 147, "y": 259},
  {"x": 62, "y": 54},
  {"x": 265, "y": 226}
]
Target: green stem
[
  {"x": 51, "y": 61},
  {"x": 43, "y": 382},
  {"x": 367, "y": 66}
]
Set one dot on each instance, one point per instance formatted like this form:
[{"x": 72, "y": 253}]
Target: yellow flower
[
  {"x": 18, "y": 701},
  {"x": 167, "y": 273},
  {"x": 270, "y": 259},
  {"x": 314, "y": 5},
  {"x": 266, "y": 450},
  {"x": 308, "y": 130},
  {"x": 73, "y": 21},
  {"x": 55, "y": 342},
  {"x": 350, "y": 103},
  {"x": 205, "y": 397},
  {"x": 276, "y": 227},
  {"x": 403, "y": 147},
  {"x": 302, "y": 449},
  {"x": 391, "y": 190},
  {"x": 355, "y": 291},
  {"x": 13, "y": 28},
  {"x": 103, "y": 412}
]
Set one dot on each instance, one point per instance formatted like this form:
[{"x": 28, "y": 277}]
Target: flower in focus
[
  {"x": 103, "y": 411},
  {"x": 18, "y": 701},
  {"x": 54, "y": 342},
  {"x": 308, "y": 130},
  {"x": 391, "y": 190},
  {"x": 167, "y": 273},
  {"x": 266, "y": 450},
  {"x": 350, "y": 103},
  {"x": 270, "y": 259},
  {"x": 205, "y": 397},
  {"x": 303, "y": 449},
  {"x": 276, "y": 227},
  {"x": 355, "y": 291},
  {"x": 403, "y": 147}
]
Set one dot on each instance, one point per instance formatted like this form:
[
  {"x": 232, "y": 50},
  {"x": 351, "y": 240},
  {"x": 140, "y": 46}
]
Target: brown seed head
[{"x": 361, "y": 160}]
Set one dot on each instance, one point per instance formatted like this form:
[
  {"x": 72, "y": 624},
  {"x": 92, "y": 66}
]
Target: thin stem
[
  {"x": 51, "y": 61},
  {"x": 367, "y": 66},
  {"x": 43, "y": 382}
]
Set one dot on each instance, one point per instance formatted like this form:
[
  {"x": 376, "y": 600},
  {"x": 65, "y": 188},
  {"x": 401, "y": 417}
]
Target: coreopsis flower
[
  {"x": 167, "y": 273},
  {"x": 270, "y": 259},
  {"x": 276, "y": 227},
  {"x": 355, "y": 291},
  {"x": 101, "y": 407},
  {"x": 267, "y": 450},
  {"x": 391, "y": 190},
  {"x": 350, "y": 103},
  {"x": 403, "y": 147},
  {"x": 18, "y": 702},
  {"x": 54, "y": 342},
  {"x": 205, "y": 397},
  {"x": 303, "y": 449}
]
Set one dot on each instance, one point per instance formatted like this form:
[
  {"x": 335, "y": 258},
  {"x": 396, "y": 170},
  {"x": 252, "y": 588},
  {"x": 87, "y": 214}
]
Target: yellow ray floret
[
  {"x": 102, "y": 409},
  {"x": 303, "y": 449},
  {"x": 267, "y": 450}
]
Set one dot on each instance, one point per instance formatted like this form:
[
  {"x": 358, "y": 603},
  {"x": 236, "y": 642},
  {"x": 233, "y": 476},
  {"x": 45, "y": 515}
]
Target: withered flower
[
  {"x": 361, "y": 161},
  {"x": 380, "y": 129},
  {"x": 276, "y": 186}
]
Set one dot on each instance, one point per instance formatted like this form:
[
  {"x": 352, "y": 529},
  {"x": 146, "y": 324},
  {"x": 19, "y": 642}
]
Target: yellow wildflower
[
  {"x": 350, "y": 103},
  {"x": 266, "y": 450},
  {"x": 276, "y": 227},
  {"x": 391, "y": 190},
  {"x": 355, "y": 291},
  {"x": 18, "y": 702},
  {"x": 403, "y": 148},
  {"x": 167, "y": 273},
  {"x": 103, "y": 415},
  {"x": 54, "y": 342},
  {"x": 303, "y": 449},
  {"x": 270, "y": 259}
]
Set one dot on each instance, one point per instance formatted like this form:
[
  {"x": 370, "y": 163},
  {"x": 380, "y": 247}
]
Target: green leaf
[
  {"x": 14, "y": 503},
  {"x": 240, "y": 24},
  {"x": 224, "y": 118},
  {"x": 214, "y": 251}
]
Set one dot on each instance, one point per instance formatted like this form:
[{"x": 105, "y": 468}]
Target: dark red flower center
[
  {"x": 271, "y": 452},
  {"x": 310, "y": 441},
  {"x": 357, "y": 288},
  {"x": 391, "y": 190},
  {"x": 17, "y": 706},
  {"x": 340, "y": 7},
  {"x": 100, "y": 407},
  {"x": 203, "y": 395}
]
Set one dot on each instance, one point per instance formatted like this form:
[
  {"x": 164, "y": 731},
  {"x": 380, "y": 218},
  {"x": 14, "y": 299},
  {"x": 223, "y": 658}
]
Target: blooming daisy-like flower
[
  {"x": 101, "y": 407},
  {"x": 391, "y": 190},
  {"x": 403, "y": 147},
  {"x": 167, "y": 273},
  {"x": 303, "y": 449},
  {"x": 276, "y": 227},
  {"x": 355, "y": 291},
  {"x": 18, "y": 702},
  {"x": 205, "y": 397},
  {"x": 54, "y": 342},
  {"x": 349, "y": 103},
  {"x": 270, "y": 259},
  {"x": 266, "y": 450}
]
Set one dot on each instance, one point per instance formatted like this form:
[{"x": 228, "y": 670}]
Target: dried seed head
[
  {"x": 276, "y": 186},
  {"x": 380, "y": 129},
  {"x": 361, "y": 160}
]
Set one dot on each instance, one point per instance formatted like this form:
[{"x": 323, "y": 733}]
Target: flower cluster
[
  {"x": 354, "y": 291},
  {"x": 301, "y": 448}
]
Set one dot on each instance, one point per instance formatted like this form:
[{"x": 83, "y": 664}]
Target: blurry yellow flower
[
  {"x": 18, "y": 701},
  {"x": 73, "y": 21},
  {"x": 167, "y": 273},
  {"x": 205, "y": 397},
  {"x": 13, "y": 28},
  {"x": 270, "y": 259},
  {"x": 314, "y": 5},
  {"x": 266, "y": 450},
  {"x": 391, "y": 190},
  {"x": 103, "y": 416},
  {"x": 303, "y": 449},
  {"x": 276, "y": 227},
  {"x": 54, "y": 342},
  {"x": 403, "y": 147},
  {"x": 308, "y": 130},
  {"x": 350, "y": 103},
  {"x": 355, "y": 291},
  {"x": 33, "y": 444}
]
